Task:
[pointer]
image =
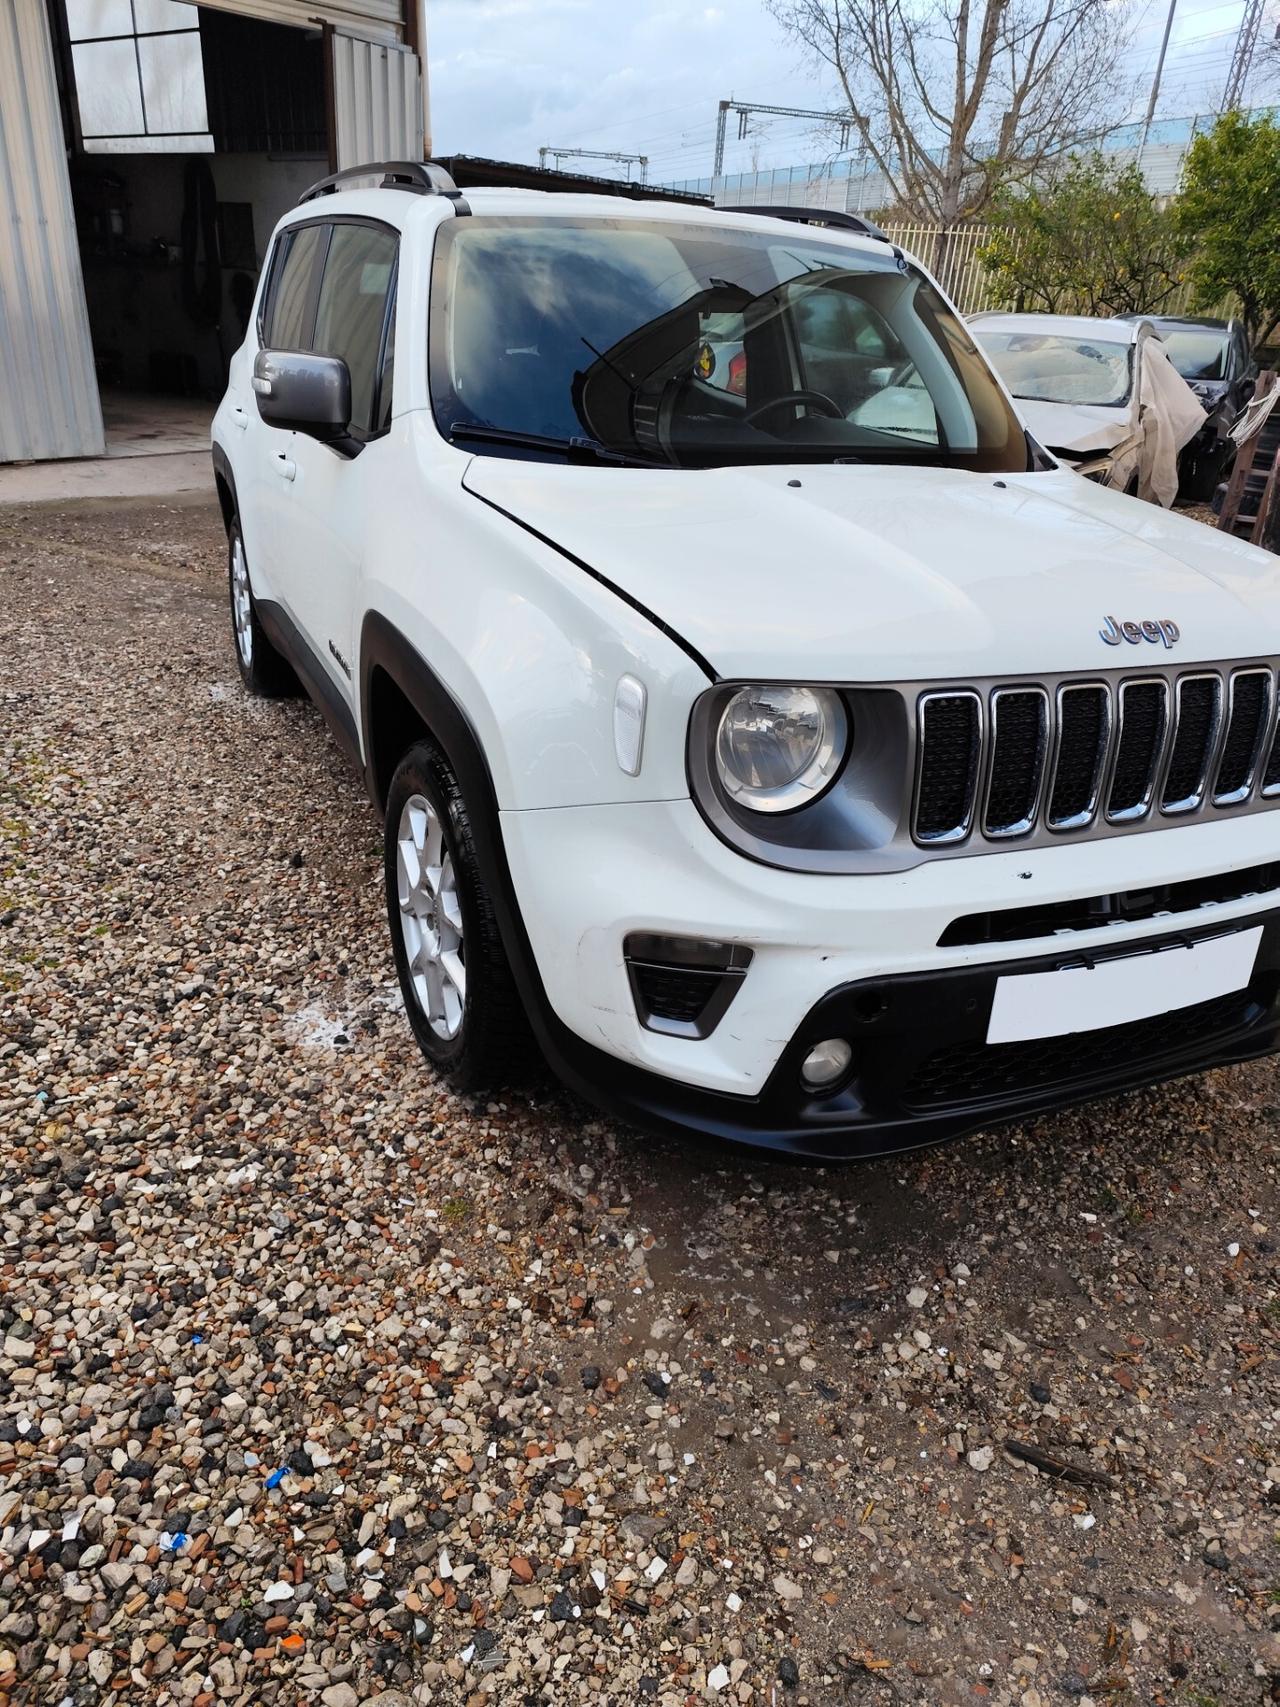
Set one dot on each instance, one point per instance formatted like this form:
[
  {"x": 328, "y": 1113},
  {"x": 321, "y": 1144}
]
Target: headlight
[{"x": 777, "y": 748}]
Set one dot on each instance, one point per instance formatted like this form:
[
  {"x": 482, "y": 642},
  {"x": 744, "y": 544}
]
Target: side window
[
  {"x": 351, "y": 311},
  {"x": 846, "y": 350},
  {"x": 287, "y": 312}
]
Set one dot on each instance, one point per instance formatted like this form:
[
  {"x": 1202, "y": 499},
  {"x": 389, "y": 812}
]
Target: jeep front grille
[{"x": 1001, "y": 762}]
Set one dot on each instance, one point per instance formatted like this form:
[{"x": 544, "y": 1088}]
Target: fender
[
  {"x": 384, "y": 648},
  {"x": 222, "y": 467}
]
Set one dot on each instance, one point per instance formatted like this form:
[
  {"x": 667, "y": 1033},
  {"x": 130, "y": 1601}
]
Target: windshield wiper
[{"x": 573, "y": 450}]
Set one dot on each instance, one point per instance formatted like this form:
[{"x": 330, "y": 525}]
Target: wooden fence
[{"x": 952, "y": 257}]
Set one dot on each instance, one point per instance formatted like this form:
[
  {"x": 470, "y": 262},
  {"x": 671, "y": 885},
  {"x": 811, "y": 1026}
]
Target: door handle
[
  {"x": 240, "y": 418},
  {"x": 285, "y": 468}
]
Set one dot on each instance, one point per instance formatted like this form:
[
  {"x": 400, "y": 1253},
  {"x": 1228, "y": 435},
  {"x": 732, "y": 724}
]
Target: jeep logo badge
[{"x": 1134, "y": 632}]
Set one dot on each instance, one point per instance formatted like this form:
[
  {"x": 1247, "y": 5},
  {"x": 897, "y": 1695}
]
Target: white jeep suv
[{"x": 761, "y": 719}]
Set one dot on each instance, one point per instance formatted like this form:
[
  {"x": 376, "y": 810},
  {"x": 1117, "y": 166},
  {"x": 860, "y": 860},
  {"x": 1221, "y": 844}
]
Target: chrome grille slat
[
  {"x": 1082, "y": 744},
  {"x": 997, "y": 761},
  {"x": 948, "y": 765},
  {"x": 1142, "y": 730},
  {"x": 1271, "y": 773},
  {"x": 1018, "y": 746},
  {"x": 1198, "y": 725},
  {"x": 1248, "y": 717}
]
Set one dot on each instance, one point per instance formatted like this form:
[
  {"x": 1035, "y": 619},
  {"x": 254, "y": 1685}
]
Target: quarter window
[
  {"x": 352, "y": 309},
  {"x": 286, "y": 324}
]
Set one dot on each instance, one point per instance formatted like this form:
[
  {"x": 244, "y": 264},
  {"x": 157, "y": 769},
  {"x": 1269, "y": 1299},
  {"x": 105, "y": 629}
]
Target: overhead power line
[
  {"x": 744, "y": 110},
  {"x": 627, "y": 160}
]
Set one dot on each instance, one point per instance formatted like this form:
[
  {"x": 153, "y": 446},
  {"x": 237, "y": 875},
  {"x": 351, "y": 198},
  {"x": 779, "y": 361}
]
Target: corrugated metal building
[
  {"x": 104, "y": 107},
  {"x": 49, "y": 395}
]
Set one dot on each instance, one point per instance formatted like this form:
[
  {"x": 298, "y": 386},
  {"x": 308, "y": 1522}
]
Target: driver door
[{"x": 327, "y": 487}]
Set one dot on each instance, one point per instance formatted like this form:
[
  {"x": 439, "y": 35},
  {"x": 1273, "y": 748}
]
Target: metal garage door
[
  {"x": 377, "y": 101},
  {"x": 383, "y": 18},
  {"x": 48, "y": 391}
]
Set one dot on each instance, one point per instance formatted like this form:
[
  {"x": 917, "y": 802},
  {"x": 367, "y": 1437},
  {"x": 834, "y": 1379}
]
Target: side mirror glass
[{"x": 303, "y": 393}]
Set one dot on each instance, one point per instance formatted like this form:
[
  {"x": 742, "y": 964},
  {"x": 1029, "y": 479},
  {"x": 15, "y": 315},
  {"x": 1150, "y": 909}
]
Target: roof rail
[
  {"x": 817, "y": 216},
  {"x": 423, "y": 177}
]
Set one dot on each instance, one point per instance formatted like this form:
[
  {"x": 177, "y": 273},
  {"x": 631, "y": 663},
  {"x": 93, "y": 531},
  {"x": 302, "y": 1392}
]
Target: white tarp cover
[{"x": 1170, "y": 416}]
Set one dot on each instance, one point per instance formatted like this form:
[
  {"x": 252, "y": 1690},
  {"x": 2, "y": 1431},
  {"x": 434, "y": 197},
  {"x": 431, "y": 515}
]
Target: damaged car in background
[
  {"x": 1214, "y": 358},
  {"x": 1102, "y": 395}
]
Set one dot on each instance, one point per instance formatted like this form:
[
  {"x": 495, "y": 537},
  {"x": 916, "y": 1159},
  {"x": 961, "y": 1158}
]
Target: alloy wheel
[
  {"x": 431, "y": 917},
  {"x": 241, "y": 603}
]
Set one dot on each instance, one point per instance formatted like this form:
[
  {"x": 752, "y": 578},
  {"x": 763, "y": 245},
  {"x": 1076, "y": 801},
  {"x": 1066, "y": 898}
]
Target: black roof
[{"x": 473, "y": 172}]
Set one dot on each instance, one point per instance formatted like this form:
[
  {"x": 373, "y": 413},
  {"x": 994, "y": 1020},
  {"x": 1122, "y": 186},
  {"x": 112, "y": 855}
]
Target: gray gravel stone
[{"x": 269, "y": 1286}]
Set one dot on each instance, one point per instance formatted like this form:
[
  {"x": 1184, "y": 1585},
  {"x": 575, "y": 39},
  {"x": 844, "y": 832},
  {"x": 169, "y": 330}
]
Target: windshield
[
  {"x": 1042, "y": 367},
  {"x": 692, "y": 344},
  {"x": 1197, "y": 352}
]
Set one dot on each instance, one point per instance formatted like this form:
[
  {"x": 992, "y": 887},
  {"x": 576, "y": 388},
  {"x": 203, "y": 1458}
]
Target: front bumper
[
  {"x": 923, "y": 1071},
  {"x": 861, "y": 957}
]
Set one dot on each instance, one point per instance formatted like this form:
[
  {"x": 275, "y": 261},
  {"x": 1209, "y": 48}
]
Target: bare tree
[{"x": 954, "y": 98}]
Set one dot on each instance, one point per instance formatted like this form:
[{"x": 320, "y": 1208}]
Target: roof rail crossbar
[
  {"x": 817, "y": 216},
  {"x": 423, "y": 177}
]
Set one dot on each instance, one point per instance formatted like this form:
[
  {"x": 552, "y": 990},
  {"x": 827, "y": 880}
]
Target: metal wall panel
[
  {"x": 377, "y": 101},
  {"x": 48, "y": 389},
  {"x": 383, "y": 19}
]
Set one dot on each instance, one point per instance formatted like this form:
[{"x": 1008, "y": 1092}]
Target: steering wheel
[{"x": 785, "y": 399}]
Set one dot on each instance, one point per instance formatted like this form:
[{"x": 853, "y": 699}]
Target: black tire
[
  {"x": 263, "y": 671},
  {"x": 493, "y": 1044},
  {"x": 1203, "y": 474}
]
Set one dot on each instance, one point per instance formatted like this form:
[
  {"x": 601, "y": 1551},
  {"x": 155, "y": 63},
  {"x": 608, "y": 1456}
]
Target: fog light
[{"x": 825, "y": 1063}]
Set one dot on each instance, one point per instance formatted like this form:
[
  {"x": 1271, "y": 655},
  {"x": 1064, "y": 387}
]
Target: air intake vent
[
  {"x": 1271, "y": 776},
  {"x": 683, "y": 985},
  {"x": 1246, "y": 727},
  {"x": 1061, "y": 757},
  {"x": 1084, "y": 733},
  {"x": 1144, "y": 713},
  {"x": 947, "y": 765},
  {"x": 1019, "y": 735},
  {"x": 1199, "y": 712}
]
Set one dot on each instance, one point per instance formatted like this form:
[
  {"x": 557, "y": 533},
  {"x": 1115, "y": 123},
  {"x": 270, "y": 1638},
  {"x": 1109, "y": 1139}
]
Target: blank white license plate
[{"x": 1089, "y": 998}]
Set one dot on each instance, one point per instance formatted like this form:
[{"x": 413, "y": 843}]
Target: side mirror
[{"x": 303, "y": 393}]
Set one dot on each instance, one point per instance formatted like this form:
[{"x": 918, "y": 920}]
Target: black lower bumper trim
[{"x": 922, "y": 1070}]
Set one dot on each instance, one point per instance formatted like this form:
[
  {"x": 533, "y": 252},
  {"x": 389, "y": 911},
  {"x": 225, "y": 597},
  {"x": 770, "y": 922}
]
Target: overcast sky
[{"x": 644, "y": 77}]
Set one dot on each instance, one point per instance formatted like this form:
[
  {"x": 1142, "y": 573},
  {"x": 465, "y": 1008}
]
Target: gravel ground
[{"x": 320, "y": 1384}]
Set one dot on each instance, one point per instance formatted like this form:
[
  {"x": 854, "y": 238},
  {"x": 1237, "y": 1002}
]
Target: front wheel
[{"x": 454, "y": 975}]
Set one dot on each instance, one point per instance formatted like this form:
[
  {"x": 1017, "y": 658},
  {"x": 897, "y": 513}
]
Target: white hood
[
  {"x": 1076, "y": 427},
  {"x": 882, "y": 574}
]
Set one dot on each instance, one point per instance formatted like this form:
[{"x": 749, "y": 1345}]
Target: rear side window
[
  {"x": 286, "y": 320},
  {"x": 352, "y": 311}
]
